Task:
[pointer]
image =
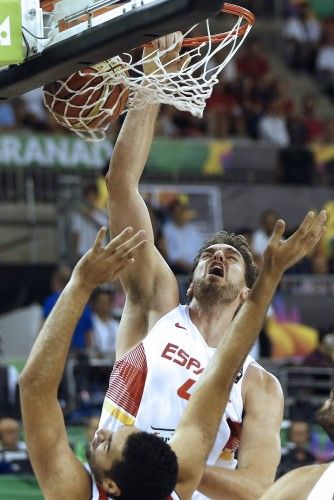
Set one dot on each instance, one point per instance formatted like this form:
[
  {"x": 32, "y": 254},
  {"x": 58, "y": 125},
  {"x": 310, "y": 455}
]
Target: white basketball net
[{"x": 187, "y": 90}]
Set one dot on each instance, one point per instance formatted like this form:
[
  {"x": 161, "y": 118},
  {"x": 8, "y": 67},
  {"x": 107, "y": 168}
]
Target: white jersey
[
  {"x": 324, "y": 488},
  {"x": 149, "y": 387}
]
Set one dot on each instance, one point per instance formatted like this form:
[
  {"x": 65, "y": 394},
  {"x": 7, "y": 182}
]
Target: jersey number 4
[{"x": 182, "y": 391}]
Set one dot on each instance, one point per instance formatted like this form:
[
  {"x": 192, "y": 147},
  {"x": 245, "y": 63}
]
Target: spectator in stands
[
  {"x": 182, "y": 237},
  {"x": 7, "y": 116},
  {"x": 13, "y": 452},
  {"x": 329, "y": 131},
  {"x": 301, "y": 32},
  {"x": 315, "y": 127},
  {"x": 319, "y": 264},
  {"x": 82, "y": 339},
  {"x": 272, "y": 126},
  {"x": 167, "y": 122},
  {"x": 253, "y": 110},
  {"x": 105, "y": 326},
  {"x": 87, "y": 221},
  {"x": 223, "y": 112},
  {"x": 9, "y": 394},
  {"x": 261, "y": 235},
  {"x": 252, "y": 62},
  {"x": 297, "y": 129},
  {"x": 325, "y": 65},
  {"x": 59, "y": 279},
  {"x": 36, "y": 112},
  {"x": 279, "y": 89},
  {"x": 298, "y": 453},
  {"x": 323, "y": 355}
]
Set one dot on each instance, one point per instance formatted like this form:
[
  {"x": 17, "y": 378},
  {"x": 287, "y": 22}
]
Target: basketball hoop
[
  {"x": 187, "y": 89},
  {"x": 229, "y": 8}
]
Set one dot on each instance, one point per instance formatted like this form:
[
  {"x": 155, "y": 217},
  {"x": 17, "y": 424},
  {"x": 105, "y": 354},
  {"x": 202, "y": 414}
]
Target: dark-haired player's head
[
  {"x": 224, "y": 270},
  {"x": 133, "y": 465},
  {"x": 325, "y": 416}
]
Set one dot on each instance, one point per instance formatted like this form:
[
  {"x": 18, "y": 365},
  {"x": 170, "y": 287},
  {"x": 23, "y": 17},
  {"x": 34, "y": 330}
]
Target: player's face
[
  {"x": 220, "y": 271},
  {"x": 325, "y": 416},
  {"x": 106, "y": 447}
]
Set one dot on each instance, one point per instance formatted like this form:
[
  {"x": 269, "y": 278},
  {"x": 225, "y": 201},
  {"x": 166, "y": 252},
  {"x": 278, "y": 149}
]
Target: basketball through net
[{"x": 88, "y": 101}]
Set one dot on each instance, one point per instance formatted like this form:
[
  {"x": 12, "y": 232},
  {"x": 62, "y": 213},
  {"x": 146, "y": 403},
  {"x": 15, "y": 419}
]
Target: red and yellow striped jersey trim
[{"x": 118, "y": 413}]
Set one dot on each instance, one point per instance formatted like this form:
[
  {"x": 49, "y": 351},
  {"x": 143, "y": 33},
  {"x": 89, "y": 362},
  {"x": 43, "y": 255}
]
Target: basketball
[{"x": 88, "y": 99}]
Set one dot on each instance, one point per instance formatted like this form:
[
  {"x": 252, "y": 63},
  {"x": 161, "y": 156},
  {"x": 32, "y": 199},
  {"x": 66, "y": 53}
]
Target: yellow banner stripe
[{"x": 121, "y": 415}]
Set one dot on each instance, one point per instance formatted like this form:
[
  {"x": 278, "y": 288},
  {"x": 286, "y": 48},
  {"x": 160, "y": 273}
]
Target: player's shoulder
[{"x": 258, "y": 379}]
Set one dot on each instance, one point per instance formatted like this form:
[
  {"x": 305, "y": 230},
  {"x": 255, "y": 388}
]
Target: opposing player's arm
[
  {"x": 260, "y": 450},
  {"x": 296, "y": 484},
  {"x": 59, "y": 473},
  {"x": 56, "y": 468},
  {"x": 200, "y": 421}
]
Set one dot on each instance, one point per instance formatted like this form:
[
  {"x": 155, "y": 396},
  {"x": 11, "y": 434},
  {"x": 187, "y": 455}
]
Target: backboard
[{"x": 61, "y": 36}]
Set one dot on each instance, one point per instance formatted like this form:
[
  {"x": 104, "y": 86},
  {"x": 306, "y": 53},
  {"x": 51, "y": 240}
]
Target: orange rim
[{"x": 228, "y": 8}]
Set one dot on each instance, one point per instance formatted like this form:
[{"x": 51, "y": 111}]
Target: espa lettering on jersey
[{"x": 177, "y": 355}]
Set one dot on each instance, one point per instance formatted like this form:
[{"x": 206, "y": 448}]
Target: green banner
[
  {"x": 323, "y": 8},
  {"x": 11, "y": 50},
  {"x": 179, "y": 157},
  {"x": 52, "y": 151}
]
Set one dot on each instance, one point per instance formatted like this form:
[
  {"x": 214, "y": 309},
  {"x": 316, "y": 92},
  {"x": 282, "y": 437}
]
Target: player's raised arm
[
  {"x": 58, "y": 471},
  {"x": 200, "y": 421},
  {"x": 127, "y": 207}
]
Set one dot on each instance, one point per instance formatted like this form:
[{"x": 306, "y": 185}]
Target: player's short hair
[
  {"x": 148, "y": 469},
  {"x": 237, "y": 241}
]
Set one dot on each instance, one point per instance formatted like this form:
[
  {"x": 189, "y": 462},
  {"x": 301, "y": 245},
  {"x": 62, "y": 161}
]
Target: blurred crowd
[{"x": 252, "y": 99}]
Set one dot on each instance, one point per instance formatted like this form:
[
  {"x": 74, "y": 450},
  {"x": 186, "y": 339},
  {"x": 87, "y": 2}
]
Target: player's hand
[
  {"x": 103, "y": 264},
  {"x": 281, "y": 254},
  {"x": 170, "y": 60}
]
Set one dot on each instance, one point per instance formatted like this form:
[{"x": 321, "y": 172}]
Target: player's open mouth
[{"x": 217, "y": 270}]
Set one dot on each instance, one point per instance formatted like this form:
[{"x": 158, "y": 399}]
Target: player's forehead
[{"x": 224, "y": 247}]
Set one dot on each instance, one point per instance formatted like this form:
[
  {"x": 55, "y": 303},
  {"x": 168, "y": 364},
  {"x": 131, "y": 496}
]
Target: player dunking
[
  {"x": 313, "y": 482},
  {"x": 130, "y": 464},
  {"x": 163, "y": 347}
]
